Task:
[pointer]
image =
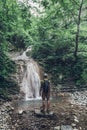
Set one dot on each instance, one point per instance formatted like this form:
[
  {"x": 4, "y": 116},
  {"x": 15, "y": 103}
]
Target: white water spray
[{"x": 30, "y": 81}]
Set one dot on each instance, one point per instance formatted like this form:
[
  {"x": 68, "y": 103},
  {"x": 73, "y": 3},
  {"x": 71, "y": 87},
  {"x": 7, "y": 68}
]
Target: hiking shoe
[
  {"x": 42, "y": 111},
  {"x": 48, "y": 111}
]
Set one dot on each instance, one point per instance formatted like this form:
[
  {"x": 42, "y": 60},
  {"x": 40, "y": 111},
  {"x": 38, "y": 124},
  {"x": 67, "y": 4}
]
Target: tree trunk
[{"x": 78, "y": 29}]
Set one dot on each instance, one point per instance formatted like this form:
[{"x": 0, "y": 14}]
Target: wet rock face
[{"x": 27, "y": 75}]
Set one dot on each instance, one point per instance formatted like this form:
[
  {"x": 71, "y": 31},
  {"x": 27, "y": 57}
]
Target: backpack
[{"x": 46, "y": 86}]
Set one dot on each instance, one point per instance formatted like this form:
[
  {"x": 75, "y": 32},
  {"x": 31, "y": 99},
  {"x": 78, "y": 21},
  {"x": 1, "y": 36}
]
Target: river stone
[
  {"x": 73, "y": 124},
  {"x": 66, "y": 127},
  {"x": 39, "y": 113},
  {"x": 76, "y": 119},
  {"x": 57, "y": 128}
]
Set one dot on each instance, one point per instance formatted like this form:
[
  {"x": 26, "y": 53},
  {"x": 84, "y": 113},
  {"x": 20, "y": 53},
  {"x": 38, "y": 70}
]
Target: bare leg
[
  {"x": 43, "y": 105},
  {"x": 43, "y": 102},
  {"x": 48, "y": 105}
]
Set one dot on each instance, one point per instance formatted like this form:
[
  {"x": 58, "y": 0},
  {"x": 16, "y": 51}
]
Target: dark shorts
[{"x": 45, "y": 96}]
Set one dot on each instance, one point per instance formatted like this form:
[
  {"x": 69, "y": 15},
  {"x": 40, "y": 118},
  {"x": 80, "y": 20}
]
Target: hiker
[{"x": 45, "y": 94}]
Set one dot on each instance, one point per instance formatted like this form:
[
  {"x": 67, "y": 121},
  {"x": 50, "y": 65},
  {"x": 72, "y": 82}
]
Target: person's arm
[
  {"x": 49, "y": 89},
  {"x": 40, "y": 92}
]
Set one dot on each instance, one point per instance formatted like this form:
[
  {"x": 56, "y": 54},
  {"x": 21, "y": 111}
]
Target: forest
[{"x": 57, "y": 32}]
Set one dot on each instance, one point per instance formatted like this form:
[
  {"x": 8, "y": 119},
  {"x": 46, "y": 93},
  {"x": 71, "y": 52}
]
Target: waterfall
[
  {"x": 31, "y": 81},
  {"x": 28, "y": 75}
]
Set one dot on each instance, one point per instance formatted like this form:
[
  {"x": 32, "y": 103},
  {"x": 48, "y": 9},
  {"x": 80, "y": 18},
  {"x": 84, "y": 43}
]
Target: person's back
[
  {"x": 45, "y": 92},
  {"x": 46, "y": 89},
  {"x": 46, "y": 86}
]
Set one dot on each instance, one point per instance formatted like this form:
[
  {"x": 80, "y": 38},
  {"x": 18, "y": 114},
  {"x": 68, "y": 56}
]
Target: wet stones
[
  {"x": 5, "y": 117},
  {"x": 79, "y": 98},
  {"x": 63, "y": 127},
  {"x": 66, "y": 127}
]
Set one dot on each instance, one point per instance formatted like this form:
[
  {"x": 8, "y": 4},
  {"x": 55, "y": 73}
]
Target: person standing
[{"x": 45, "y": 94}]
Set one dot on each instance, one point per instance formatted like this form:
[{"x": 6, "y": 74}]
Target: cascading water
[
  {"x": 29, "y": 77},
  {"x": 31, "y": 81}
]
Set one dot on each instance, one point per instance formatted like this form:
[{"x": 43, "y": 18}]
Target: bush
[
  {"x": 20, "y": 41},
  {"x": 6, "y": 68}
]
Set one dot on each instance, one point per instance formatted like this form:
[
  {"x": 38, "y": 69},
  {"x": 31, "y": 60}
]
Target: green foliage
[
  {"x": 19, "y": 40},
  {"x": 7, "y": 87},
  {"x": 6, "y": 67},
  {"x": 8, "y": 25},
  {"x": 79, "y": 71},
  {"x": 56, "y": 32}
]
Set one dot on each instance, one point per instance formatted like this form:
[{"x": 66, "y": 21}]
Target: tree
[
  {"x": 60, "y": 37},
  {"x": 78, "y": 30}
]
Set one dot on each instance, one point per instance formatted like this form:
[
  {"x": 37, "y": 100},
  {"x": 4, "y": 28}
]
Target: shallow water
[{"x": 33, "y": 104}]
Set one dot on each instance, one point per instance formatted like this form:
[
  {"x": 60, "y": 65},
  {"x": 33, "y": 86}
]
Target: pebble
[
  {"x": 75, "y": 119},
  {"x": 73, "y": 125},
  {"x": 57, "y": 128}
]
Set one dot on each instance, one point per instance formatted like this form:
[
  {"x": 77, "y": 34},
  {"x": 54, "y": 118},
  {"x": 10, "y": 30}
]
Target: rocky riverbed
[
  {"x": 79, "y": 98},
  {"x": 5, "y": 119},
  {"x": 69, "y": 114}
]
